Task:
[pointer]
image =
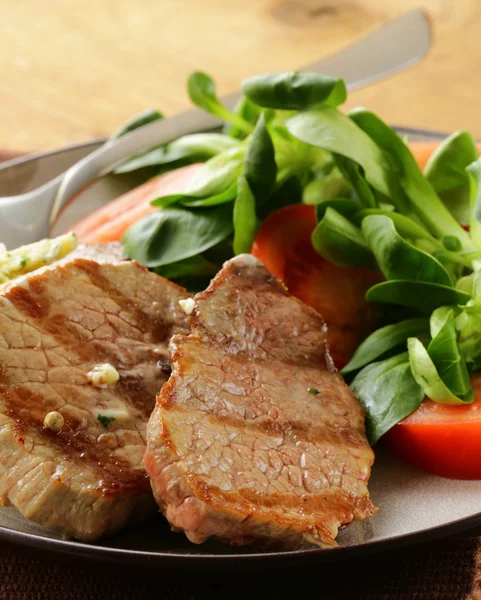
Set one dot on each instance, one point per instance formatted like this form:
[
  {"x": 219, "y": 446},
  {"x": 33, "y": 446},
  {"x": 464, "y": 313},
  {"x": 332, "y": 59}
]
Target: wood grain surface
[{"x": 75, "y": 69}]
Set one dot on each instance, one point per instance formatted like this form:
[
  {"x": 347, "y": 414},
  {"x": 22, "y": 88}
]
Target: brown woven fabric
[
  {"x": 475, "y": 592},
  {"x": 441, "y": 572}
]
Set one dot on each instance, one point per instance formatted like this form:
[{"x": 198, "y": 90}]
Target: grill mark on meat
[
  {"x": 135, "y": 388},
  {"x": 18, "y": 427},
  {"x": 49, "y": 340},
  {"x": 73, "y": 440},
  {"x": 292, "y": 430},
  {"x": 31, "y": 305},
  {"x": 23, "y": 300},
  {"x": 336, "y": 503},
  {"x": 158, "y": 328},
  {"x": 237, "y": 448}
]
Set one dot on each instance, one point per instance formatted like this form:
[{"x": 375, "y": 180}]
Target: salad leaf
[
  {"x": 189, "y": 148},
  {"x": 331, "y": 185},
  {"x": 388, "y": 392},
  {"x": 419, "y": 295},
  {"x": 202, "y": 92},
  {"x": 221, "y": 252},
  {"x": 476, "y": 289},
  {"x": 451, "y": 366},
  {"x": 438, "y": 319},
  {"x": 248, "y": 111},
  {"x": 405, "y": 226},
  {"x": 352, "y": 173},
  {"x": 169, "y": 200},
  {"x": 195, "y": 266},
  {"x": 329, "y": 129},
  {"x": 288, "y": 191},
  {"x": 344, "y": 206},
  {"x": 426, "y": 375},
  {"x": 173, "y": 234},
  {"x": 451, "y": 243},
  {"x": 384, "y": 340},
  {"x": 245, "y": 219},
  {"x": 446, "y": 171},
  {"x": 340, "y": 242},
  {"x": 295, "y": 90},
  {"x": 397, "y": 258},
  {"x": 144, "y": 118},
  {"x": 215, "y": 183},
  {"x": 227, "y": 195},
  {"x": 424, "y": 200},
  {"x": 468, "y": 323},
  {"x": 294, "y": 157},
  {"x": 465, "y": 284},
  {"x": 260, "y": 167},
  {"x": 216, "y": 175},
  {"x": 474, "y": 171},
  {"x": 152, "y": 158}
]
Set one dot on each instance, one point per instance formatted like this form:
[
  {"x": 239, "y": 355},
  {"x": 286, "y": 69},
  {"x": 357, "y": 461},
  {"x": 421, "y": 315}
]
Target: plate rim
[
  {"x": 25, "y": 158},
  {"x": 95, "y": 142},
  {"x": 308, "y": 556},
  {"x": 148, "y": 557}
]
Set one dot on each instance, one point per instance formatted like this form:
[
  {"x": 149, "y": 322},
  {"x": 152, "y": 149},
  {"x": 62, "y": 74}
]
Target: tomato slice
[
  {"x": 283, "y": 243},
  {"x": 440, "y": 438}
]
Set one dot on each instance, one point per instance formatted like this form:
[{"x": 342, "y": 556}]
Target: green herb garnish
[
  {"x": 105, "y": 420},
  {"x": 313, "y": 391}
]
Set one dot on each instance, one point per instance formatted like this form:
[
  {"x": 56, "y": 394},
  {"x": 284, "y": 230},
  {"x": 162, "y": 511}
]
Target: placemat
[{"x": 447, "y": 570}]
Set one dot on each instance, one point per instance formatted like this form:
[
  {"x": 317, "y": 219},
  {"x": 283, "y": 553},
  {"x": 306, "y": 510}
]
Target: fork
[{"x": 28, "y": 217}]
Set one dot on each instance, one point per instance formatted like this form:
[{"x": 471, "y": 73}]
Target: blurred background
[{"x": 72, "y": 70}]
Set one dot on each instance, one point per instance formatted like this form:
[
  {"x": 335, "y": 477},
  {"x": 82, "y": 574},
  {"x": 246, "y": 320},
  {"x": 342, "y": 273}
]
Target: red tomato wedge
[
  {"x": 440, "y": 438},
  {"x": 109, "y": 223},
  {"x": 283, "y": 243}
]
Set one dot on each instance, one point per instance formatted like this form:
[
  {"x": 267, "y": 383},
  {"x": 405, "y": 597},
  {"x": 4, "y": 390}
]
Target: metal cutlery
[{"x": 29, "y": 216}]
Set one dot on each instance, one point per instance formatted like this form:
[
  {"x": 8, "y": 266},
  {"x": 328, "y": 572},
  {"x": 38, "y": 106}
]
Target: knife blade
[
  {"x": 389, "y": 49},
  {"x": 396, "y": 45}
]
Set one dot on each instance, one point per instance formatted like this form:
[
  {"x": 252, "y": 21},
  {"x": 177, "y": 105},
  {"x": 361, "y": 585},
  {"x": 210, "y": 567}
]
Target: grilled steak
[
  {"x": 110, "y": 253},
  {"x": 255, "y": 437},
  {"x": 85, "y": 478}
]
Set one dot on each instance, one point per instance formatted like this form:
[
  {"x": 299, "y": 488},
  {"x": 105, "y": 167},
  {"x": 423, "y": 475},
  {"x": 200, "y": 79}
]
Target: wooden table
[{"x": 76, "y": 69}]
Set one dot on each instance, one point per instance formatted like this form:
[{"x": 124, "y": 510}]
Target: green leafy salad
[{"x": 287, "y": 142}]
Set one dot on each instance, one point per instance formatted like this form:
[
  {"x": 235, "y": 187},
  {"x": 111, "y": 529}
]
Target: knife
[{"x": 394, "y": 47}]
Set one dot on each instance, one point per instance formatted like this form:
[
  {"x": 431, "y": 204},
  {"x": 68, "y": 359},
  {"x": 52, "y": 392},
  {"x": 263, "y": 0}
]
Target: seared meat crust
[
  {"x": 237, "y": 447},
  {"x": 56, "y": 324}
]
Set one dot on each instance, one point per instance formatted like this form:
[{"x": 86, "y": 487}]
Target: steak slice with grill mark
[
  {"x": 56, "y": 324},
  {"x": 110, "y": 253},
  {"x": 237, "y": 447}
]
